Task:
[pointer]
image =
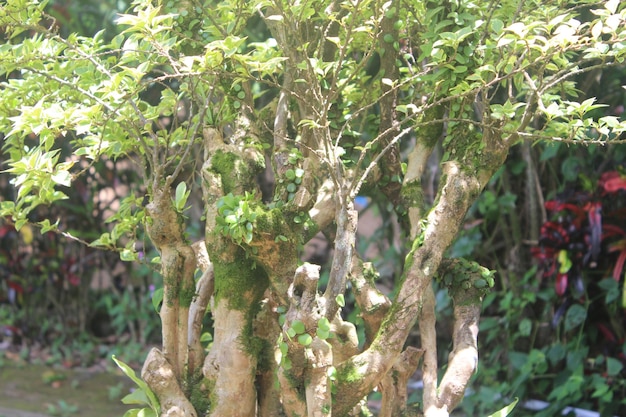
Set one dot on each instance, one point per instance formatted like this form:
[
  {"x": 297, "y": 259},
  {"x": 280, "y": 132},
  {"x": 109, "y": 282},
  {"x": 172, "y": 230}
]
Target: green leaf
[
  {"x": 305, "y": 339},
  {"x": 46, "y": 226},
  {"x": 298, "y": 326},
  {"x": 128, "y": 255},
  {"x": 506, "y": 410},
  {"x": 323, "y": 324},
  {"x": 322, "y": 334},
  {"x": 136, "y": 397},
  {"x": 525, "y": 327},
  {"x": 127, "y": 370},
  {"x": 613, "y": 366},
  {"x": 575, "y": 316},
  {"x": 181, "y": 196},
  {"x": 340, "y": 300},
  {"x": 157, "y": 298}
]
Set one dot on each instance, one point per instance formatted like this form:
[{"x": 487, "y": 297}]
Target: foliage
[
  {"x": 142, "y": 396},
  {"x": 324, "y": 101},
  {"x": 62, "y": 409},
  {"x": 557, "y": 338}
]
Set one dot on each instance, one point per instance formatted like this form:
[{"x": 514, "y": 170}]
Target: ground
[{"x": 28, "y": 390}]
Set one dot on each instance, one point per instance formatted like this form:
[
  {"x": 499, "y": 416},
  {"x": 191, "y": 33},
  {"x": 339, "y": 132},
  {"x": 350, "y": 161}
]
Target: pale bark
[
  {"x": 319, "y": 355},
  {"x": 178, "y": 263},
  {"x": 230, "y": 369},
  {"x": 346, "y": 219},
  {"x": 198, "y": 308},
  {"x": 161, "y": 378},
  {"x": 456, "y": 194},
  {"x": 373, "y": 304},
  {"x": 394, "y": 387}
]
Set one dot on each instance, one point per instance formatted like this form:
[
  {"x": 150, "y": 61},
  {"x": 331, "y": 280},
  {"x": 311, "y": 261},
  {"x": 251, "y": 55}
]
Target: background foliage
[{"x": 553, "y": 330}]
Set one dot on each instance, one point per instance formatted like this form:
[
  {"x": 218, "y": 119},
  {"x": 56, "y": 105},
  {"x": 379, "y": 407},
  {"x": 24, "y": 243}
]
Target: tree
[{"x": 331, "y": 100}]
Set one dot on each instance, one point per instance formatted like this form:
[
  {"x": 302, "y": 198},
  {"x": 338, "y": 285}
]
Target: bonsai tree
[{"x": 326, "y": 101}]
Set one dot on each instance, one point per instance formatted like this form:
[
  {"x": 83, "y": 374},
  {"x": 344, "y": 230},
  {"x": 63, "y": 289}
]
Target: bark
[
  {"x": 346, "y": 219},
  {"x": 394, "y": 386},
  {"x": 373, "y": 304},
  {"x": 268, "y": 391},
  {"x": 231, "y": 365},
  {"x": 166, "y": 371},
  {"x": 197, "y": 310},
  {"x": 389, "y": 128},
  {"x": 229, "y": 368},
  {"x": 161, "y": 378},
  {"x": 319, "y": 357},
  {"x": 458, "y": 190}
]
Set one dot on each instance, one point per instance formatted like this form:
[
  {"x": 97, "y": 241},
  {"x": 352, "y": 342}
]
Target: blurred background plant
[
  {"x": 552, "y": 223},
  {"x": 61, "y": 301}
]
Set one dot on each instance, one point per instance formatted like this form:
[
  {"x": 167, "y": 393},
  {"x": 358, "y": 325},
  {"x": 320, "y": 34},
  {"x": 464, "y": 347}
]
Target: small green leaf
[
  {"x": 181, "y": 196},
  {"x": 305, "y": 339},
  {"x": 157, "y": 298},
  {"x": 525, "y": 327},
  {"x": 480, "y": 283},
  {"x": 127, "y": 370},
  {"x": 322, "y": 334},
  {"x": 298, "y": 326},
  {"x": 613, "y": 366},
  {"x": 128, "y": 255},
  {"x": 136, "y": 397},
  {"x": 323, "y": 324},
  {"x": 575, "y": 316},
  {"x": 340, "y": 299},
  {"x": 506, "y": 410}
]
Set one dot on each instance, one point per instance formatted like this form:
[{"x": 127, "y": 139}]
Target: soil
[{"x": 38, "y": 391}]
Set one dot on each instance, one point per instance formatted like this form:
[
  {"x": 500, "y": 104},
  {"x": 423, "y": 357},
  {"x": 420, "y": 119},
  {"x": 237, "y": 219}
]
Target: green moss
[
  {"x": 242, "y": 285},
  {"x": 237, "y": 279},
  {"x": 171, "y": 281},
  {"x": 198, "y": 389},
  {"x": 412, "y": 195},
  {"x": 237, "y": 174},
  {"x": 270, "y": 221},
  {"x": 186, "y": 294},
  {"x": 226, "y": 164},
  {"x": 263, "y": 351},
  {"x": 349, "y": 374},
  {"x": 432, "y": 129},
  {"x": 174, "y": 280}
]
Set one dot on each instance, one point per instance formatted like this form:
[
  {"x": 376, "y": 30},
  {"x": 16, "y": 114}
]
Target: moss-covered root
[{"x": 159, "y": 375}]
